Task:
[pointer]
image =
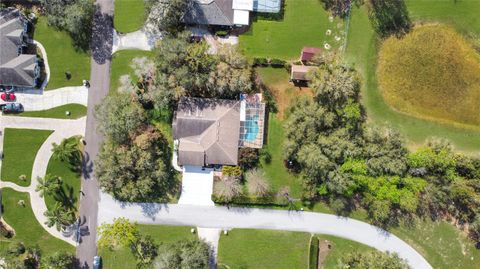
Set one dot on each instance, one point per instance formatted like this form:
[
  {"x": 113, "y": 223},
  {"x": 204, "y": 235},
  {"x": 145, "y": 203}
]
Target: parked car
[
  {"x": 97, "y": 262},
  {"x": 8, "y": 97},
  {"x": 12, "y": 108}
]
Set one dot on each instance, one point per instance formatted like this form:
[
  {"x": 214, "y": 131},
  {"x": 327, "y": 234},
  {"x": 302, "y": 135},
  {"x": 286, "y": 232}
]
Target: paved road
[
  {"x": 222, "y": 217},
  {"x": 99, "y": 85}
]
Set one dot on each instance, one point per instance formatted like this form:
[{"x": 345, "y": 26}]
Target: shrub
[
  {"x": 221, "y": 33},
  {"x": 227, "y": 189},
  {"x": 250, "y": 200},
  {"x": 228, "y": 170},
  {"x": 260, "y": 62},
  {"x": 277, "y": 63},
  {"x": 248, "y": 157},
  {"x": 17, "y": 249},
  {"x": 313, "y": 253},
  {"x": 256, "y": 183}
]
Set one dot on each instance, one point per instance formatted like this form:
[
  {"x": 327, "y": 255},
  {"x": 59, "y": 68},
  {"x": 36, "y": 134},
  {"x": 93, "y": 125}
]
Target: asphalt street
[{"x": 101, "y": 47}]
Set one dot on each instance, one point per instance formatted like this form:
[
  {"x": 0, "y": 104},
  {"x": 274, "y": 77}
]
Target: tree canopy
[
  {"x": 183, "y": 254},
  {"x": 372, "y": 260}
]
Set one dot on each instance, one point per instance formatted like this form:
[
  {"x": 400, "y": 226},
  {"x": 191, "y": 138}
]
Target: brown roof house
[
  {"x": 299, "y": 73},
  {"x": 16, "y": 69},
  {"x": 210, "y": 131},
  {"x": 308, "y": 53}
]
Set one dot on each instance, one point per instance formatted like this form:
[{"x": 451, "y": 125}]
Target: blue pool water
[{"x": 251, "y": 129}]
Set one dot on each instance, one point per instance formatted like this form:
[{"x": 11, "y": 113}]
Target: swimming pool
[{"x": 251, "y": 128}]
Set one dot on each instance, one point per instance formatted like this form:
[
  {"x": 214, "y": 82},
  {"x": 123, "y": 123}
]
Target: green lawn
[
  {"x": 123, "y": 258},
  {"x": 76, "y": 111},
  {"x": 247, "y": 248},
  {"x": 362, "y": 50},
  {"x": 27, "y": 229},
  {"x": 62, "y": 56},
  {"x": 129, "y": 15},
  {"x": 121, "y": 62},
  {"x": 20, "y": 147},
  {"x": 305, "y": 23},
  {"x": 443, "y": 245},
  {"x": 275, "y": 171},
  {"x": 71, "y": 182}
]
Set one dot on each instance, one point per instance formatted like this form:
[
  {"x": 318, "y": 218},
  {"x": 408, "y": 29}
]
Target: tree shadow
[{"x": 102, "y": 36}]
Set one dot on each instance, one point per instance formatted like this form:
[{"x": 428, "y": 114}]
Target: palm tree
[
  {"x": 48, "y": 184},
  {"x": 59, "y": 216},
  {"x": 68, "y": 150}
]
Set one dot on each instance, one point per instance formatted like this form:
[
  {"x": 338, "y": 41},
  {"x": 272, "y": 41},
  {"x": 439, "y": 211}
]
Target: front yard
[
  {"x": 20, "y": 147},
  {"x": 62, "y": 56},
  {"x": 129, "y": 15},
  {"x": 121, "y": 65},
  {"x": 123, "y": 258},
  {"x": 27, "y": 228}
]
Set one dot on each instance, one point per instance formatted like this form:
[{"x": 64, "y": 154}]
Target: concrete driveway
[{"x": 197, "y": 186}]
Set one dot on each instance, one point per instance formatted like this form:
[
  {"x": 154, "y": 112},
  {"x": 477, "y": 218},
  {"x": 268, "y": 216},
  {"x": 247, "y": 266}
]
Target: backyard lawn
[
  {"x": 76, "y": 111},
  {"x": 71, "y": 182},
  {"x": 247, "y": 248},
  {"x": 123, "y": 258},
  {"x": 121, "y": 62},
  {"x": 129, "y": 15},
  {"x": 27, "y": 229},
  {"x": 20, "y": 147},
  {"x": 62, "y": 57},
  {"x": 305, "y": 23},
  {"x": 362, "y": 53}
]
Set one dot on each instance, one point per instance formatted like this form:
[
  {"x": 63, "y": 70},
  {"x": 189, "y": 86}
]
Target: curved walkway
[
  {"x": 224, "y": 218},
  {"x": 62, "y": 129}
]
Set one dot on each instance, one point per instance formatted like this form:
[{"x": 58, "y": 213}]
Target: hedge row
[
  {"x": 272, "y": 200},
  {"x": 313, "y": 253},
  {"x": 269, "y": 62}
]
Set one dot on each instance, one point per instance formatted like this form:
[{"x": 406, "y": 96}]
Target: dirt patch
[{"x": 324, "y": 247}]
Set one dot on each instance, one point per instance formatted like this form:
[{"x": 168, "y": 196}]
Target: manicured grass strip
[
  {"x": 304, "y": 24},
  {"x": 62, "y": 56},
  {"x": 313, "y": 253},
  {"x": 27, "y": 228},
  {"x": 443, "y": 245},
  {"x": 20, "y": 147},
  {"x": 76, "y": 111},
  {"x": 121, "y": 62},
  {"x": 244, "y": 248},
  {"x": 71, "y": 182},
  {"x": 275, "y": 171},
  {"x": 129, "y": 15},
  {"x": 362, "y": 52},
  {"x": 123, "y": 258}
]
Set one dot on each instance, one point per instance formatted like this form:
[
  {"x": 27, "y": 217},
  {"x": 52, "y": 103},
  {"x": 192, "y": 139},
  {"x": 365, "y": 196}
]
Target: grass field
[
  {"x": 362, "y": 52},
  {"x": 246, "y": 248},
  {"x": 27, "y": 229},
  {"x": 123, "y": 258},
  {"x": 71, "y": 182},
  {"x": 20, "y": 147},
  {"x": 62, "y": 57},
  {"x": 121, "y": 62},
  {"x": 76, "y": 111},
  {"x": 431, "y": 73},
  {"x": 129, "y": 15},
  {"x": 305, "y": 23}
]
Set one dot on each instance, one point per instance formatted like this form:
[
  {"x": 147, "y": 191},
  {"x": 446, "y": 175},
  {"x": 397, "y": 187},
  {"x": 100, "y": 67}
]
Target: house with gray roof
[
  {"x": 228, "y": 13},
  {"x": 210, "y": 131},
  {"x": 16, "y": 69}
]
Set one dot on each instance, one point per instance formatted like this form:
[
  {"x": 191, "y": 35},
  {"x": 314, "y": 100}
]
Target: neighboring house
[
  {"x": 16, "y": 69},
  {"x": 299, "y": 73},
  {"x": 228, "y": 13},
  {"x": 209, "y": 132},
  {"x": 309, "y": 53}
]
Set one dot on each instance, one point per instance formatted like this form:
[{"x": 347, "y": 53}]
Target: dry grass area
[
  {"x": 432, "y": 72},
  {"x": 284, "y": 92}
]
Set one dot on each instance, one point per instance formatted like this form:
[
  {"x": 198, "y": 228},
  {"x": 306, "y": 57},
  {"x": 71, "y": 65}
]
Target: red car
[{"x": 8, "y": 97}]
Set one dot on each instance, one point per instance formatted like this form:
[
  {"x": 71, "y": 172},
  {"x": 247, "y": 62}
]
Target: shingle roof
[
  {"x": 15, "y": 69},
  {"x": 210, "y": 12},
  {"x": 308, "y": 53},
  {"x": 299, "y": 72},
  {"x": 208, "y": 131}
]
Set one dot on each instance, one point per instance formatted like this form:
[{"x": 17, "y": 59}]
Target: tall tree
[
  {"x": 48, "y": 184},
  {"x": 372, "y": 260},
  {"x": 389, "y": 17},
  {"x": 145, "y": 250},
  {"x": 121, "y": 233},
  {"x": 59, "y": 260},
  {"x": 166, "y": 15},
  {"x": 59, "y": 216},
  {"x": 68, "y": 151},
  {"x": 183, "y": 254}
]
